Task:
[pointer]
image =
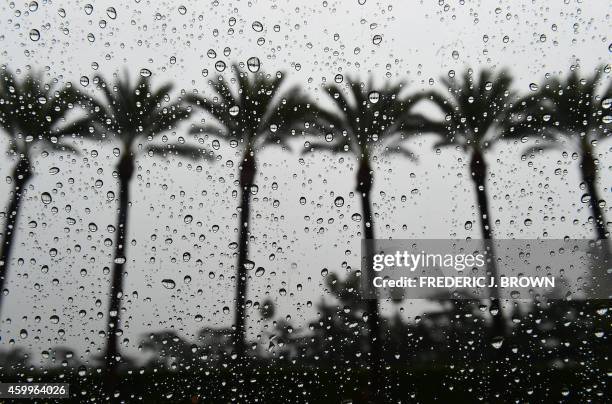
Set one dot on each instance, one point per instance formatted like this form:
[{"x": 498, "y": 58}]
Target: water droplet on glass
[
  {"x": 257, "y": 26},
  {"x": 34, "y": 35},
  {"x": 145, "y": 72},
  {"x": 168, "y": 283},
  {"x": 339, "y": 201},
  {"x": 111, "y": 12},
  {"x": 377, "y": 39},
  {"x": 220, "y": 65},
  {"x": 497, "y": 342},
  {"x": 45, "y": 197},
  {"x": 253, "y": 64}
]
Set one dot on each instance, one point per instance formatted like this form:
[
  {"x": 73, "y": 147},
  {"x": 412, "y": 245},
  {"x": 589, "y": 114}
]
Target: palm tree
[
  {"x": 132, "y": 114},
  {"x": 573, "y": 113},
  {"x": 366, "y": 121},
  {"x": 33, "y": 114},
  {"x": 476, "y": 114},
  {"x": 254, "y": 114}
]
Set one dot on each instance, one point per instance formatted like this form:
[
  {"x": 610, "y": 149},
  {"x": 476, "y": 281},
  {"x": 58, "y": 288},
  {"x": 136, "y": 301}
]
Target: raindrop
[
  {"x": 497, "y": 342},
  {"x": 182, "y": 10},
  {"x": 188, "y": 219},
  {"x": 374, "y": 97},
  {"x": 377, "y": 39},
  {"x": 339, "y": 201},
  {"x": 34, "y": 35},
  {"x": 253, "y": 64},
  {"x": 111, "y": 12},
  {"x": 145, "y": 72},
  {"x": 45, "y": 197},
  {"x": 234, "y": 110},
  {"x": 257, "y": 26},
  {"x": 220, "y": 65},
  {"x": 168, "y": 283},
  {"x": 88, "y": 9},
  {"x": 54, "y": 170}
]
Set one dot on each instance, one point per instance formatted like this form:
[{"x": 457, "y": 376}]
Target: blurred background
[{"x": 304, "y": 323}]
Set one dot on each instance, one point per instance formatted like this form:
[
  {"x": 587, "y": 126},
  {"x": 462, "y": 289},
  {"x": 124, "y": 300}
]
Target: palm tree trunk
[
  {"x": 478, "y": 166},
  {"x": 588, "y": 170},
  {"x": 365, "y": 179},
  {"x": 21, "y": 175},
  {"x": 125, "y": 170},
  {"x": 247, "y": 179},
  {"x": 479, "y": 169}
]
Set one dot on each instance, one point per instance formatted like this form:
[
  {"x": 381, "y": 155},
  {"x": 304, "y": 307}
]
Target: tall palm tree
[
  {"x": 132, "y": 114},
  {"x": 34, "y": 116},
  {"x": 366, "y": 121},
  {"x": 251, "y": 110},
  {"x": 476, "y": 112},
  {"x": 576, "y": 116}
]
